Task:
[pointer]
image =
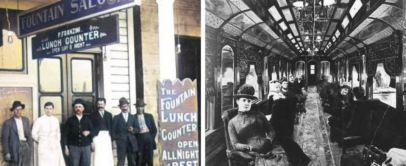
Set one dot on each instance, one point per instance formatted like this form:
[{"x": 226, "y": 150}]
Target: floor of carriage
[{"x": 312, "y": 134}]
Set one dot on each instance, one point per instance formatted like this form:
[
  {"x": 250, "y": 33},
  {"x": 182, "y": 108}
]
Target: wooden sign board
[{"x": 178, "y": 123}]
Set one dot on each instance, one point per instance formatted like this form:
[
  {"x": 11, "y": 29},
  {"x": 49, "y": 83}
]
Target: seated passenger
[
  {"x": 250, "y": 132},
  {"x": 299, "y": 82},
  {"x": 339, "y": 107}
]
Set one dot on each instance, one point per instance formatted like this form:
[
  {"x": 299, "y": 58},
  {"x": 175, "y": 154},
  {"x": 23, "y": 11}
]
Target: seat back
[
  {"x": 360, "y": 118},
  {"x": 227, "y": 116}
]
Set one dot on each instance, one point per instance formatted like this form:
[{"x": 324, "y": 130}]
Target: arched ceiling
[{"x": 287, "y": 28}]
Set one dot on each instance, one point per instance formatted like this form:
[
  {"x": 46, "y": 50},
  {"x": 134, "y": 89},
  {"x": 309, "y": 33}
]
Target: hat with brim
[
  {"x": 79, "y": 101},
  {"x": 284, "y": 79},
  {"x": 140, "y": 103},
  {"x": 17, "y": 104},
  {"x": 245, "y": 91},
  {"x": 123, "y": 101}
]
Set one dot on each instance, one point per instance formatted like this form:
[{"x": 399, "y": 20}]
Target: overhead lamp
[
  {"x": 308, "y": 50},
  {"x": 318, "y": 39},
  {"x": 307, "y": 39},
  {"x": 329, "y": 2},
  {"x": 316, "y": 49},
  {"x": 299, "y": 4}
]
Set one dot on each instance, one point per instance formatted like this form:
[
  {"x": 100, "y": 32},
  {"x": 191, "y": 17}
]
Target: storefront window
[
  {"x": 381, "y": 88},
  {"x": 50, "y": 75},
  {"x": 82, "y": 80}
]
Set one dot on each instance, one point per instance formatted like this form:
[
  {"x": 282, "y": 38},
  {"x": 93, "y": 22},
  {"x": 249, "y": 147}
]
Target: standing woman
[{"x": 46, "y": 133}]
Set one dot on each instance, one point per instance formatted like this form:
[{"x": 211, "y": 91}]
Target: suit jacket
[
  {"x": 10, "y": 139},
  {"x": 120, "y": 131},
  {"x": 149, "y": 121},
  {"x": 97, "y": 119},
  {"x": 74, "y": 131}
]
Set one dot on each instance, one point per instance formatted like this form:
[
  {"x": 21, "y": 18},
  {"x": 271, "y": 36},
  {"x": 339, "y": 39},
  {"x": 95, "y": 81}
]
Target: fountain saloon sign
[
  {"x": 66, "y": 12},
  {"x": 76, "y": 36}
]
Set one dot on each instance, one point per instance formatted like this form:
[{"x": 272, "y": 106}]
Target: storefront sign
[
  {"x": 178, "y": 120},
  {"x": 76, "y": 37},
  {"x": 65, "y": 12}
]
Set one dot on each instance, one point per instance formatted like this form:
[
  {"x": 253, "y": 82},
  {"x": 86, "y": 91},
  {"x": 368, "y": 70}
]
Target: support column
[{"x": 167, "y": 58}]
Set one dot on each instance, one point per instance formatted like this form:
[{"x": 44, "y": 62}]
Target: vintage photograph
[
  {"x": 98, "y": 82},
  {"x": 305, "y": 82}
]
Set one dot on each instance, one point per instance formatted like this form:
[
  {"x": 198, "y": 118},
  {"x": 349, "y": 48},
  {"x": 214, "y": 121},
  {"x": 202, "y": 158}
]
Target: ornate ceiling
[{"x": 294, "y": 28}]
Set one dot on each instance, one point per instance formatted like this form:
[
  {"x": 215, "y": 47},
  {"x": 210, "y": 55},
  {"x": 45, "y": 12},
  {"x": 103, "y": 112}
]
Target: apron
[{"x": 103, "y": 153}]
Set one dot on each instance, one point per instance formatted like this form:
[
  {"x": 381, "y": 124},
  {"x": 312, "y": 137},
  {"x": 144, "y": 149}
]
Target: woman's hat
[
  {"x": 345, "y": 86},
  {"x": 140, "y": 103},
  {"x": 123, "y": 101},
  {"x": 17, "y": 104},
  {"x": 79, "y": 101},
  {"x": 246, "y": 91}
]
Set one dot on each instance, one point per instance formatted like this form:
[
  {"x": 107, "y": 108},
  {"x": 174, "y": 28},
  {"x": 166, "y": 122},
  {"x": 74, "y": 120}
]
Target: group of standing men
[{"x": 134, "y": 136}]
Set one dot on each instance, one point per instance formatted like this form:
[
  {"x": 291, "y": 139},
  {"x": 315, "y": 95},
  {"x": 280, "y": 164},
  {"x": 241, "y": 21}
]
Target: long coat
[
  {"x": 120, "y": 131},
  {"x": 10, "y": 139}
]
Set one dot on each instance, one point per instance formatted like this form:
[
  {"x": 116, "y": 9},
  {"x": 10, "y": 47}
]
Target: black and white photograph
[{"x": 305, "y": 82}]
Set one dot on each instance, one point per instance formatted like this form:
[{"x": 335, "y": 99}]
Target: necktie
[{"x": 102, "y": 114}]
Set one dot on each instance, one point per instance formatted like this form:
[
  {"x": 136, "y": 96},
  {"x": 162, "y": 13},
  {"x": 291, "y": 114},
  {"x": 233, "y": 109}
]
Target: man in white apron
[
  {"x": 102, "y": 121},
  {"x": 46, "y": 133}
]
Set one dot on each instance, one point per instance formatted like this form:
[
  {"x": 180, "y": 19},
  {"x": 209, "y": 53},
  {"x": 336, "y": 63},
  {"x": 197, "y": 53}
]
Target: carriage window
[
  {"x": 355, "y": 77},
  {"x": 300, "y": 68},
  {"x": 382, "y": 90},
  {"x": 312, "y": 69},
  {"x": 252, "y": 79},
  {"x": 274, "y": 75},
  {"x": 227, "y": 78},
  {"x": 325, "y": 68}
]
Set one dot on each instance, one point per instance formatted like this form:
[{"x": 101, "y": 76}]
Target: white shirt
[
  {"x": 143, "y": 125},
  {"x": 46, "y": 128},
  {"x": 101, "y": 113},
  {"x": 125, "y": 115},
  {"x": 79, "y": 117},
  {"x": 20, "y": 129}
]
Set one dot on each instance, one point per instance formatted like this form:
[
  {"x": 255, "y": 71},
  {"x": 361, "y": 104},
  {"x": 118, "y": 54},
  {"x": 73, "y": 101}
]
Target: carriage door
[
  {"x": 64, "y": 78},
  {"x": 312, "y": 72}
]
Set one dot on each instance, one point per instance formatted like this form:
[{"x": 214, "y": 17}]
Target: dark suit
[
  {"x": 101, "y": 123},
  {"x": 126, "y": 141},
  {"x": 146, "y": 141},
  {"x": 11, "y": 142}
]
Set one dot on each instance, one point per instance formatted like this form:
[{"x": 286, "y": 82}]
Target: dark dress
[{"x": 250, "y": 128}]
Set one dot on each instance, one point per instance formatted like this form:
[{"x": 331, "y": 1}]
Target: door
[
  {"x": 312, "y": 72},
  {"x": 64, "y": 78}
]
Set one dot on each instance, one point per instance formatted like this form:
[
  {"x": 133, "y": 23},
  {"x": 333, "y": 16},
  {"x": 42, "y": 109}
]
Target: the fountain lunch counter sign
[
  {"x": 66, "y": 12},
  {"x": 178, "y": 119},
  {"x": 76, "y": 36}
]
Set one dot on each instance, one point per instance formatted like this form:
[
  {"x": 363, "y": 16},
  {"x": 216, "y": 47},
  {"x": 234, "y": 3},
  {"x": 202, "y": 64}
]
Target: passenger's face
[
  {"x": 124, "y": 108},
  {"x": 49, "y": 110},
  {"x": 285, "y": 84},
  {"x": 79, "y": 109},
  {"x": 18, "y": 111},
  {"x": 344, "y": 91},
  {"x": 244, "y": 104},
  {"x": 292, "y": 79}
]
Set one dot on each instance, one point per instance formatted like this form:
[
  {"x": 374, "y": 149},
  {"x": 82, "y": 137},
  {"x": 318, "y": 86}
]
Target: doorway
[
  {"x": 64, "y": 78},
  {"x": 312, "y": 72}
]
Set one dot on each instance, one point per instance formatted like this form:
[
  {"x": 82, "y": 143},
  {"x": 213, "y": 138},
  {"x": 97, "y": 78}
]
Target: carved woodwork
[{"x": 388, "y": 51}]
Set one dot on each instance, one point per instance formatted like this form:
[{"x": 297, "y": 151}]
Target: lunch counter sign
[
  {"x": 76, "y": 37},
  {"x": 65, "y": 12}
]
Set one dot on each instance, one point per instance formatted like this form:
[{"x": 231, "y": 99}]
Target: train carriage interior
[{"x": 327, "y": 45}]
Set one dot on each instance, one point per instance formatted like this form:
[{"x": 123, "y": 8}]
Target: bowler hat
[
  {"x": 79, "y": 101},
  {"x": 140, "y": 102},
  {"x": 346, "y": 87},
  {"x": 246, "y": 91},
  {"x": 123, "y": 101},
  {"x": 284, "y": 79},
  {"x": 17, "y": 104}
]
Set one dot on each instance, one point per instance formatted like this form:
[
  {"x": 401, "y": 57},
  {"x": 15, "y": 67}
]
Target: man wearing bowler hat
[
  {"x": 16, "y": 137},
  {"x": 125, "y": 126},
  {"x": 146, "y": 138},
  {"x": 78, "y": 136}
]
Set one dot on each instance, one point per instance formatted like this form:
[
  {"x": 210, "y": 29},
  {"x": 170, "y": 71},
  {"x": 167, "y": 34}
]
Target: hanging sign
[
  {"x": 78, "y": 36},
  {"x": 178, "y": 121},
  {"x": 65, "y": 12}
]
